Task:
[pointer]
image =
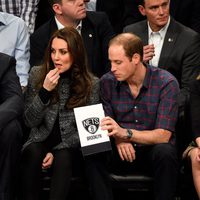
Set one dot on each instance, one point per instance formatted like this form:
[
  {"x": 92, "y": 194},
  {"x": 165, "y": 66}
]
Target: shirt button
[
  {"x": 136, "y": 121},
  {"x": 135, "y": 107}
]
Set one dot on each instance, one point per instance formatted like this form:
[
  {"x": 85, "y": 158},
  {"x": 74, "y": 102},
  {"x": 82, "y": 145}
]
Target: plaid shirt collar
[{"x": 146, "y": 81}]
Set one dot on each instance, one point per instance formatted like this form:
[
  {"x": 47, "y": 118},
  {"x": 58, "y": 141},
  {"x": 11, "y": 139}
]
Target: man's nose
[
  {"x": 113, "y": 67},
  {"x": 160, "y": 10}
]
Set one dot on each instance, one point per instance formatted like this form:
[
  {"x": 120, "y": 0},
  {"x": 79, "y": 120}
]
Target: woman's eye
[
  {"x": 52, "y": 51},
  {"x": 63, "y": 52}
]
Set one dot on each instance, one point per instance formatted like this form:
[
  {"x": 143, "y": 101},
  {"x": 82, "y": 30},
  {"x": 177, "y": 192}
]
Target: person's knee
[
  {"x": 11, "y": 134},
  {"x": 35, "y": 151},
  {"x": 165, "y": 152}
]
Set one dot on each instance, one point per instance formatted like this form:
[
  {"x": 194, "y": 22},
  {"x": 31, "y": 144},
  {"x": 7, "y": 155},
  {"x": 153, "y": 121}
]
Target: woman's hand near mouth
[{"x": 51, "y": 79}]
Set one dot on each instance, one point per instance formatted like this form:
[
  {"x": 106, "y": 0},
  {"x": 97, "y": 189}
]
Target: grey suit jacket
[{"x": 180, "y": 54}]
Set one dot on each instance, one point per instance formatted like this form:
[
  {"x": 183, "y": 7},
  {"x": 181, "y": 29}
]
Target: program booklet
[{"x": 92, "y": 138}]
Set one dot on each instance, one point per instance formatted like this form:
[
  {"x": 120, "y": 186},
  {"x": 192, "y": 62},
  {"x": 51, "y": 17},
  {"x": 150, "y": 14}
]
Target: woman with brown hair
[{"x": 62, "y": 83}]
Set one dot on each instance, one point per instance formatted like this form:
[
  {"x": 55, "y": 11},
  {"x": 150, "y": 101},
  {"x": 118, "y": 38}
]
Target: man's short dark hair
[
  {"x": 51, "y": 2},
  {"x": 130, "y": 42}
]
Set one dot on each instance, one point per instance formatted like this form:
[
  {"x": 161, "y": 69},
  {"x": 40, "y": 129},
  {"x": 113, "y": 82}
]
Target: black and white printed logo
[{"x": 91, "y": 125}]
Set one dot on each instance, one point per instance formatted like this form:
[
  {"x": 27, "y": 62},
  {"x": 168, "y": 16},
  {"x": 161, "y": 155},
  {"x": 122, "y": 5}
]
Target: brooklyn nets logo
[{"x": 91, "y": 125}]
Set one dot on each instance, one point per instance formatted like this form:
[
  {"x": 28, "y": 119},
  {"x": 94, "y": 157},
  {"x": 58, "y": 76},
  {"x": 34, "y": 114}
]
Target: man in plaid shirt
[
  {"x": 141, "y": 109},
  {"x": 25, "y": 9}
]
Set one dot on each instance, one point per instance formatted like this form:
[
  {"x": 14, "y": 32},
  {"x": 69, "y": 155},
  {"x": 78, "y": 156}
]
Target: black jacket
[
  {"x": 96, "y": 33},
  {"x": 11, "y": 98}
]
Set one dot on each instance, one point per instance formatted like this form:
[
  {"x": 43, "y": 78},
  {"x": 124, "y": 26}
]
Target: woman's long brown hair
[{"x": 81, "y": 79}]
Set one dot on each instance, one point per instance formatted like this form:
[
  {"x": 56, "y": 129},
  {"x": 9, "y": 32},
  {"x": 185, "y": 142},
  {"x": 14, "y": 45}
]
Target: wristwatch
[{"x": 129, "y": 134}]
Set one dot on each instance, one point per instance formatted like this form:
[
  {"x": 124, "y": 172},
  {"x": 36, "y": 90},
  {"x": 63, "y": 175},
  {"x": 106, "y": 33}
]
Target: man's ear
[
  {"x": 142, "y": 10},
  {"x": 136, "y": 58},
  {"x": 57, "y": 8}
]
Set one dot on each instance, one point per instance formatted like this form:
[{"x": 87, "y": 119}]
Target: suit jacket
[
  {"x": 96, "y": 33},
  {"x": 180, "y": 54},
  {"x": 186, "y": 12},
  {"x": 11, "y": 98},
  {"x": 120, "y": 12}
]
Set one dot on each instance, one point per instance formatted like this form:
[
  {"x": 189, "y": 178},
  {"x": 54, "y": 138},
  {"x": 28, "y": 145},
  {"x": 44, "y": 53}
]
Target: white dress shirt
[
  {"x": 60, "y": 26},
  {"x": 157, "y": 38},
  {"x": 14, "y": 38}
]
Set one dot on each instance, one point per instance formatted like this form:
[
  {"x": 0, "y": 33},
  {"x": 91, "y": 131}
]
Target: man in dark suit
[
  {"x": 94, "y": 27},
  {"x": 11, "y": 110},
  {"x": 186, "y": 12},
  {"x": 178, "y": 48}
]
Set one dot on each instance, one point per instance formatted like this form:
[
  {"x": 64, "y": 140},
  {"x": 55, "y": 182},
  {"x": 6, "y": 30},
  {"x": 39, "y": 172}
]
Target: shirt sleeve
[
  {"x": 167, "y": 114},
  {"x": 22, "y": 53}
]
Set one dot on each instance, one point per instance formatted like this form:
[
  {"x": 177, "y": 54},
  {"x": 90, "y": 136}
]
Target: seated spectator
[
  {"x": 14, "y": 39},
  {"x": 25, "y": 9},
  {"x": 193, "y": 150},
  {"x": 168, "y": 44},
  {"x": 94, "y": 28},
  {"x": 62, "y": 83},
  {"x": 140, "y": 102},
  {"x": 11, "y": 110}
]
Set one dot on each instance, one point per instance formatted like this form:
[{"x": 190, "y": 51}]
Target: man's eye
[{"x": 153, "y": 8}]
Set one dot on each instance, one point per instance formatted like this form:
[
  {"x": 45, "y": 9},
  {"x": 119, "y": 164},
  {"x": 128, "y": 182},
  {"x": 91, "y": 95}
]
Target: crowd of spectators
[{"x": 140, "y": 59}]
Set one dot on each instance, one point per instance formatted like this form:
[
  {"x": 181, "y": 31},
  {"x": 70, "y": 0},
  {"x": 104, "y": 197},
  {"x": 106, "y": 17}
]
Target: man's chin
[{"x": 82, "y": 15}]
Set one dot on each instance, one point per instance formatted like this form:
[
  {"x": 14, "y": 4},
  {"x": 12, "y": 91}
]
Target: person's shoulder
[
  {"x": 47, "y": 27},
  {"x": 10, "y": 17},
  {"x": 182, "y": 29},
  {"x": 96, "y": 16},
  {"x": 34, "y": 74},
  {"x": 99, "y": 22},
  {"x": 135, "y": 26},
  {"x": 36, "y": 69},
  {"x": 108, "y": 77},
  {"x": 162, "y": 75},
  {"x": 12, "y": 20},
  {"x": 95, "y": 79}
]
